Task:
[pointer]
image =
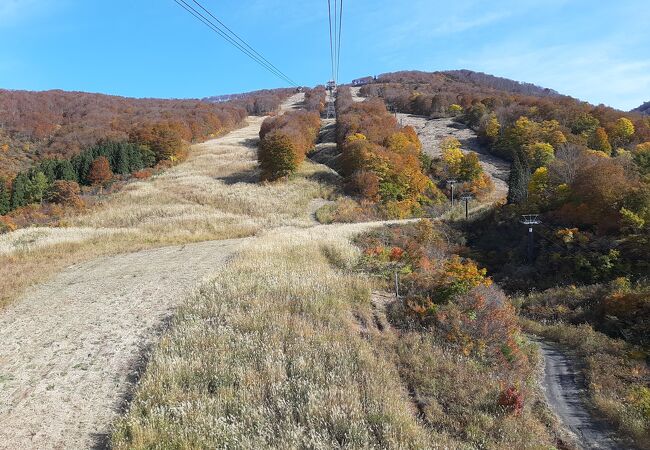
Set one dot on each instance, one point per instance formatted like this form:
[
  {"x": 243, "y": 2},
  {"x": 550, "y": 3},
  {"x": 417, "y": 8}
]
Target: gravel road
[
  {"x": 565, "y": 395},
  {"x": 71, "y": 348}
]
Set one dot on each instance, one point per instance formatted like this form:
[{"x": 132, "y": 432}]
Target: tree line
[{"x": 58, "y": 124}]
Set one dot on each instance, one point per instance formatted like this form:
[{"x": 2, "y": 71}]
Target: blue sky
[{"x": 597, "y": 51}]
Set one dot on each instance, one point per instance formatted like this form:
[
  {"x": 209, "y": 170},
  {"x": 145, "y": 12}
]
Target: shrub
[
  {"x": 285, "y": 141},
  {"x": 143, "y": 174},
  {"x": 511, "y": 400},
  {"x": 7, "y": 225},
  {"x": 66, "y": 193}
]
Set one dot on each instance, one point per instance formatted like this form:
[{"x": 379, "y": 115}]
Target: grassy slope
[
  {"x": 268, "y": 355},
  {"x": 209, "y": 196},
  {"x": 277, "y": 352}
]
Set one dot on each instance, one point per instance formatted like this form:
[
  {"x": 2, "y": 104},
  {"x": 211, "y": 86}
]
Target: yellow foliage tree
[
  {"x": 492, "y": 128},
  {"x": 622, "y": 131},
  {"x": 539, "y": 154},
  {"x": 539, "y": 188}
]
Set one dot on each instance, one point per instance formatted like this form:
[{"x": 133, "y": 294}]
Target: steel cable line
[
  {"x": 329, "y": 12},
  {"x": 216, "y": 29},
  {"x": 338, "y": 61},
  {"x": 335, "y": 14},
  {"x": 242, "y": 41},
  {"x": 206, "y": 21},
  {"x": 336, "y": 33}
]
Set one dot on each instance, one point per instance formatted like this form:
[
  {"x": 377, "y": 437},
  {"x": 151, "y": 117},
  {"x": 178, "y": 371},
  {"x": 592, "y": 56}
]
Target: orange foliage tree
[{"x": 100, "y": 172}]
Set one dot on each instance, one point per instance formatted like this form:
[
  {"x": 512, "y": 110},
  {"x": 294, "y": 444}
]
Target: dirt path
[
  {"x": 356, "y": 94},
  {"x": 564, "y": 394},
  {"x": 69, "y": 346}
]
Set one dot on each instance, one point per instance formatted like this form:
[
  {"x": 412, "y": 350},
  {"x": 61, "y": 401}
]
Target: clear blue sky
[{"x": 598, "y": 51}]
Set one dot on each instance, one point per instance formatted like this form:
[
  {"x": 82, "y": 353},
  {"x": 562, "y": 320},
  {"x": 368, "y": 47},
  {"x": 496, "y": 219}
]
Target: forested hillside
[
  {"x": 58, "y": 124},
  {"x": 464, "y": 80},
  {"x": 583, "y": 171}
]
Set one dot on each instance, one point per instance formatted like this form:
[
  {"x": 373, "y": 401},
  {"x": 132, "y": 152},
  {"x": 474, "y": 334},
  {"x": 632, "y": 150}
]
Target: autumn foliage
[
  {"x": 285, "y": 141},
  {"x": 66, "y": 193},
  {"x": 382, "y": 162},
  {"x": 100, "y": 171},
  {"x": 451, "y": 299}
]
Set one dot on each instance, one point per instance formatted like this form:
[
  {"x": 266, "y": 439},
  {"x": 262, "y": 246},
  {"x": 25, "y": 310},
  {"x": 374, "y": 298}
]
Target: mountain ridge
[{"x": 643, "y": 109}]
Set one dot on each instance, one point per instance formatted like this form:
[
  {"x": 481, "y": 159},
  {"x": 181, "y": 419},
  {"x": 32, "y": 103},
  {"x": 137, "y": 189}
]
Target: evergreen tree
[
  {"x": 5, "y": 197},
  {"x": 519, "y": 179},
  {"x": 48, "y": 168},
  {"x": 65, "y": 171},
  {"x": 19, "y": 191},
  {"x": 121, "y": 159},
  {"x": 36, "y": 187},
  {"x": 81, "y": 164}
]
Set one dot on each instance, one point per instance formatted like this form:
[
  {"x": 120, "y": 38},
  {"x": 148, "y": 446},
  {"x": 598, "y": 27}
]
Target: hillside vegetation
[
  {"x": 585, "y": 170},
  {"x": 58, "y": 124}
]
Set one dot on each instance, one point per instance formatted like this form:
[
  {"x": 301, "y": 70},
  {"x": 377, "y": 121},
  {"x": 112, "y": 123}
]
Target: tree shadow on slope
[{"x": 251, "y": 176}]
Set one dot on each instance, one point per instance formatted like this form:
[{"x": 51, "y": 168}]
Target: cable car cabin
[
  {"x": 363, "y": 81},
  {"x": 331, "y": 85}
]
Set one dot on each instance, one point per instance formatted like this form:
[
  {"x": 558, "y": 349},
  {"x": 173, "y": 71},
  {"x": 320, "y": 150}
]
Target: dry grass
[
  {"x": 278, "y": 352},
  {"x": 268, "y": 356},
  {"x": 214, "y": 194}
]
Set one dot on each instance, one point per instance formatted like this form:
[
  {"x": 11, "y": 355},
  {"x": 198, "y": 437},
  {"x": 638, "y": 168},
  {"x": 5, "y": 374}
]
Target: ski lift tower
[
  {"x": 452, "y": 183},
  {"x": 467, "y": 197},
  {"x": 331, "y": 106},
  {"x": 530, "y": 220}
]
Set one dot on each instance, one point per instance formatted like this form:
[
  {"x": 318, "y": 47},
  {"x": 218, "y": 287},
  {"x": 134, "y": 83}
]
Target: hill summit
[{"x": 643, "y": 109}]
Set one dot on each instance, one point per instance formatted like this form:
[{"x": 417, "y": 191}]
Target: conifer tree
[
  {"x": 19, "y": 191},
  {"x": 65, "y": 171},
  {"x": 5, "y": 197},
  {"x": 36, "y": 187},
  {"x": 519, "y": 179}
]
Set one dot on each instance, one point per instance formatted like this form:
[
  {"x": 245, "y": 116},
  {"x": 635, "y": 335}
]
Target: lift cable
[
  {"x": 338, "y": 62},
  {"x": 335, "y": 13},
  {"x": 242, "y": 41},
  {"x": 329, "y": 12},
  {"x": 214, "y": 27}
]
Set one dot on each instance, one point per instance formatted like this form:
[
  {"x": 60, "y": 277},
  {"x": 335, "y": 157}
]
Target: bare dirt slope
[
  {"x": 356, "y": 94},
  {"x": 69, "y": 346},
  {"x": 564, "y": 394},
  {"x": 433, "y": 131}
]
